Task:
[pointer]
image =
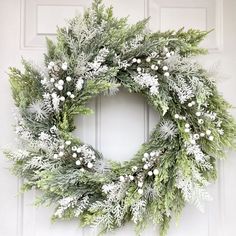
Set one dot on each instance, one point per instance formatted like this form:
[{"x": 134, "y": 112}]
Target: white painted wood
[
  {"x": 175, "y": 18},
  {"x": 203, "y": 14},
  {"x": 121, "y": 123},
  {"x": 60, "y": 13}
]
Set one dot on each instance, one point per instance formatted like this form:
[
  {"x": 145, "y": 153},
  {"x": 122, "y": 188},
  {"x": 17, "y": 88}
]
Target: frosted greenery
[{"x": 97, "y": 54}]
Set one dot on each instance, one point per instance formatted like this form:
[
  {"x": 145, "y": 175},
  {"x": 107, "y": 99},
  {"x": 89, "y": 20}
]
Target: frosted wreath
[{"x": 97, "y": 54}]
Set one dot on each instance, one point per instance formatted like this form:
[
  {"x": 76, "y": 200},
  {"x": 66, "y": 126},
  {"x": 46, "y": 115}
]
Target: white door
[{"x": 116, "y": 132}]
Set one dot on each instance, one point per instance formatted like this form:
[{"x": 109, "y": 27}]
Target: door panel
[{"x": 120, "y": 123}]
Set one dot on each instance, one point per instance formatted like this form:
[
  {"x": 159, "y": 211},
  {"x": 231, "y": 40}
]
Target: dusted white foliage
[
  {"x": 106, "y": 220},
  {"x": 186, "y": 88},
  {"x": 193, "y": 188},
  {"x": 147, "y": 80},
  {"x": 211, "y": 115},
  {"x": 47, "y": 102},
  {"x": 134, "y": 43},
  {"x": 19, "y": 155},
  {"x": 115, "y": 191},
  {"x": 101, "y": 165},
  {"x": 74, "y": 202},
  {"x": 150, "y": 193},
  {"x": 23, "y": 133},
  {"x": 79, "y": 84},
  {"x": 81, "y": 205},
  {"x": 167, "y": 129},
  {"x": 138, "y": 210},
  {"x": 39, "y": 110},
  {"x": 118, "y": 212},
  {"x": 64, "y": 204},
  {"x": 87, "y": 152},
  {"x": 37, "y": 162},
  {"x": 55, "y": 102},
  {"x": 181, "y": 88},
  {"x": 43, "y": 141},
  {"x": 195, "y": 150},
  {"x": 96, "y": 66},
  {"x": 113, "y": 212}
]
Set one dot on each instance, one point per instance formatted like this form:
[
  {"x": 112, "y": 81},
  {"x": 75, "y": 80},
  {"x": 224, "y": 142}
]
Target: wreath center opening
[{"x": 118, "y": 126}]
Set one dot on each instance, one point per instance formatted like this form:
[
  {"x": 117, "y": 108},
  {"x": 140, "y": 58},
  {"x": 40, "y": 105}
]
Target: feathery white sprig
[{"x": 167, "y": 129}]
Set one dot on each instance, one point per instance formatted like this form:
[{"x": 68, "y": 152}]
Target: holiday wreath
[{"x": 97, "y": 53}]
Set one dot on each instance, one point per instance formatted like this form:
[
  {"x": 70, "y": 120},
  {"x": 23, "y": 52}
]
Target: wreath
[{"x": 96, "y": 54}]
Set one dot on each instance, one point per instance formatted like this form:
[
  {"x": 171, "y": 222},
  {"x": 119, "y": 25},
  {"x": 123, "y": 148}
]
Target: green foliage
[{"x": 25, "y": 86}]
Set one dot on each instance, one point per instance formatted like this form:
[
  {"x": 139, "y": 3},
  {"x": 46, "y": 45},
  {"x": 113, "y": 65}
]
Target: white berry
[
  {"x": 68, "y": 142},
  {"x": 152, "y": 154},
  {"x": 187, "y": 125},
  {"x": 62, "y": 98},
  {"x": 60, "y": 87},
  {"x": 165, "y": 68},
  {"x": 140, "y": 184},
  {"x": 156, "y": 172},
  {"x": 187, "y": 130},
  {"x": 168, "y": 54},
  {"x": 208, "y": 132},
  {"x": 165, "y": 49},
  {"x": 51, "y": 63},
  {"x": 90, "y": 165},
  {"x": 211, "y": 138},
  {"x": 140, "y": 191},
  {"x": 145, "y": 167},
  {"x": 138, "y": 61},
  {"x": 146, "y": 155},
  {"x": 176, "y": 116},
  {"x": 153, "y": 67},
  {"x": 198, "y": 113},
  {"x": 60, "y": 82},
  {"x": 150, "y": 173},
  {"x": 166, "y": 74},
  {"x": 64, "y": 66},
  {"x": 202, "y": 134},
  {"x": 131, "y": 177},
  {"x": 122, "y": 178},
  {"x": 200, "y": 121},
  {"x": 74, "y": 155},
  {"x": 61, "y": 154},
  {"x": 68, "y": 78},
  {"x": 148, "y": 59},
  {"x": 192, "y": 141}
]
